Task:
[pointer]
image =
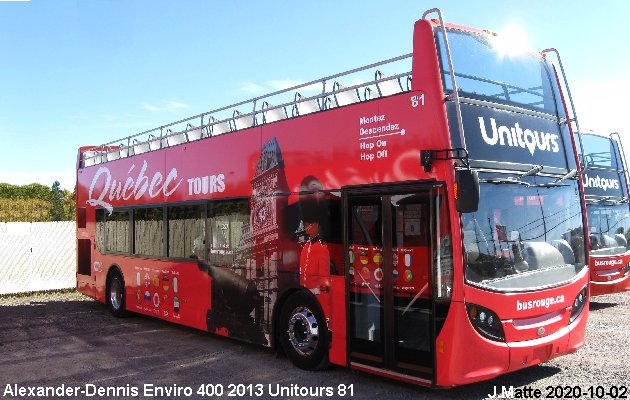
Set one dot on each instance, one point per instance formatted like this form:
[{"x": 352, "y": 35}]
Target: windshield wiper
[
  {"x": 610, "y": 199},
  {"x": 500, "y": 181},
  {"x": 533, "y": 171},
  {"x": 604, "y": 199},
  {"x": 558, "y": 182}
]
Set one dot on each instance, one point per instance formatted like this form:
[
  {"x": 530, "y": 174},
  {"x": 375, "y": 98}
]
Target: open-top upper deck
[{"x": 366, "y": 83}]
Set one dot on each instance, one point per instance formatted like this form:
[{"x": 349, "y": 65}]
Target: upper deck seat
[
  {"x": 140, "y": 147},
  {"x": 218, "y": 128},
  {"x": 113, "y": 154},
  {"x": 195, "y": 133},
  {"x": 177, "y": 138},
  {"x": 241, "y": 121},
  {"x": 271, "y": 114},
  {"x": 125, "y": 151},
  {"x": 157, "y": 142},
  {"x": 388, "y": 87},
  {"x": 89, "y": 158},
  {"x": 306, "y": 106},
  {"x": 344, "y": 97}
]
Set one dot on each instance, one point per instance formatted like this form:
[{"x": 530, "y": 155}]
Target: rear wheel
[
  {"x": 303, "y": 332},
  {"x": 116, "y": 293}
]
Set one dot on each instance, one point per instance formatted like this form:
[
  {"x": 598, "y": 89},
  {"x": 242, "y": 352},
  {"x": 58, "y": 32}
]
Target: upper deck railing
[{"x": 228, "y": 119}]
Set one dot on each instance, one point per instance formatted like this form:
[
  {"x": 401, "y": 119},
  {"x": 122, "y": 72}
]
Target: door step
[{"x": 391, "y": 374}]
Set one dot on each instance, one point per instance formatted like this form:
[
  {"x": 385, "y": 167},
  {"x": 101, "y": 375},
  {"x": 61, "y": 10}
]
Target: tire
[
  {"x": 115, "y": 293},
  {"x": 303, "y": 332}
]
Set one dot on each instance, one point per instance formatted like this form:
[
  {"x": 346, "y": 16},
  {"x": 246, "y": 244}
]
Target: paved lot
[{"x": 50, "y": 340}]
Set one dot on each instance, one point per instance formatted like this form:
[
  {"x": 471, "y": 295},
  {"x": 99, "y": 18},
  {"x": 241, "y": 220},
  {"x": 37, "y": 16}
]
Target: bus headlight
[
  {"x": 627, "y": 270},
  {"x": 485, "y": 322},
  {"x": 578, "y": 303}
]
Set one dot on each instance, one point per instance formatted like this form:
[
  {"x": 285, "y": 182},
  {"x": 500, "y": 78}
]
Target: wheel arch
[
  {"x": 112, "y": 269},
  {"x": 115, "y": 268}
]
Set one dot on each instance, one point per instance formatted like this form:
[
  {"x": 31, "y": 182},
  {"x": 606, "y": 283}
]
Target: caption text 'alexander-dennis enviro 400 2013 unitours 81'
[{"x": 401, "y": 226}]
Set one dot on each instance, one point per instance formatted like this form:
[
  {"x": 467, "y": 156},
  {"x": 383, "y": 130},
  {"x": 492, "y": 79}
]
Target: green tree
[
  {"x": 69, "y": 205},
  {"x": 32, "y": 191},
  {"x": 36, "y": 203},
  {"x": 57, "y": 197}
]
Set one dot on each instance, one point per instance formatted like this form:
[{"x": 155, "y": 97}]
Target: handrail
[
  {"x": 503, "y": 85},
  {"x": 623, "y": 153},
  {"x": 566, "y": 85},
  {"x": 455, "y": 94}
]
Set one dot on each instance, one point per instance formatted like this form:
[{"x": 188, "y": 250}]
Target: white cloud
[
  {"x": 252, "y": 88},
  {"x": 66, "y": 178},
  {"x": 169, "y": 106},
  {"x": 151, "y": 108},
  {"x": 176, "y": 105}
]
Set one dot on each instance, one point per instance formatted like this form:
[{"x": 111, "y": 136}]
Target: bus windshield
[
  {"x": 609, "y": 228},
  {"x": 526, "y": 234},
  {"x": 488, "y": 67}
]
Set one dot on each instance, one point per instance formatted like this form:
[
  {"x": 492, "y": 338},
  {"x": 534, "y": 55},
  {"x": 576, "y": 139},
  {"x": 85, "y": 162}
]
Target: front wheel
[
  {"x": 303, "y": 332},
  {"x": 116, "y": 293}
]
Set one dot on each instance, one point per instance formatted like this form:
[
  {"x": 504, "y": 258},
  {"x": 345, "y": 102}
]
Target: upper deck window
[
  {"x": 599, "y": 151},
  {"x": 485, "y": 69}
]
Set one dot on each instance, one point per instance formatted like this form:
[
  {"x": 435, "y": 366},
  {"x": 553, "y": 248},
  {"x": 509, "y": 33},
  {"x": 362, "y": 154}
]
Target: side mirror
[{"x": 467, "y": 192}]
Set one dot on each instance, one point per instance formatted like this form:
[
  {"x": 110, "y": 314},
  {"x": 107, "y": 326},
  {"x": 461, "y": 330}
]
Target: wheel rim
[
  {"x": 115, "y": 293},
  {"x": 303, "y": 331}
]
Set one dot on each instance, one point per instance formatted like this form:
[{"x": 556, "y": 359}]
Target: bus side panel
[
  {"x": 337, "y": 324},
  {"x": 174, "y": 291}
]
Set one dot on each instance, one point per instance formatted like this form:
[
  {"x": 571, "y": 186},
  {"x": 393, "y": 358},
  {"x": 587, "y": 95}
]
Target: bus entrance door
[{"x": 388, "y": 268}]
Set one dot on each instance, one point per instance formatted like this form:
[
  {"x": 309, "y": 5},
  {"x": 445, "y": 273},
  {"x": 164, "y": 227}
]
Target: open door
[{"x": 390, "y": 246}]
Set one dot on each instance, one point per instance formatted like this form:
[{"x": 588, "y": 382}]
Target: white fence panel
[{"x": 37, "y": 256}]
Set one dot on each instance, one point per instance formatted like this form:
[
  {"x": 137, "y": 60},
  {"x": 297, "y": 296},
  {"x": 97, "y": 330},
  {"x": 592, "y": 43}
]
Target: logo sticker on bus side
[
  {"x": 114, "y": 189},
  {"x": 517, "y": 136},
  {"x": 106, "y": 188},
  {"x": 608, "y": 263},
  {"x": 539, "y": 303},
  {"x": 602, "y": 183},
  {"x": 504, "y": 136}
]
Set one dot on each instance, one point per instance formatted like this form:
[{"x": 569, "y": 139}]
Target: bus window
[
  {"x": 366, "y": 226},
  {"x": 186, "y": 231},
  {"x": 112, "y": 231},
  {"x": 100, "y": 230},
  {"x": 226, "y": 223},
  {"x": 149, "y": 231}
]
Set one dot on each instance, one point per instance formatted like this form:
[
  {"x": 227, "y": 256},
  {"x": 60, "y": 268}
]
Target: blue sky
[{"x": 76, "y": 73}]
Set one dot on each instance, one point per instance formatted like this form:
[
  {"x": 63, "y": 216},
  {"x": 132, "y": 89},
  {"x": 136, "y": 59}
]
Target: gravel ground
[{"x": 64, "y": 338}]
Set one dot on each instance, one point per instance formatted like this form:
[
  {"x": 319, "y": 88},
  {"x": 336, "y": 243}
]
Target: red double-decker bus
[
  {"x": 605, "y": 181},
  {"x": 425, "y": 225}
]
